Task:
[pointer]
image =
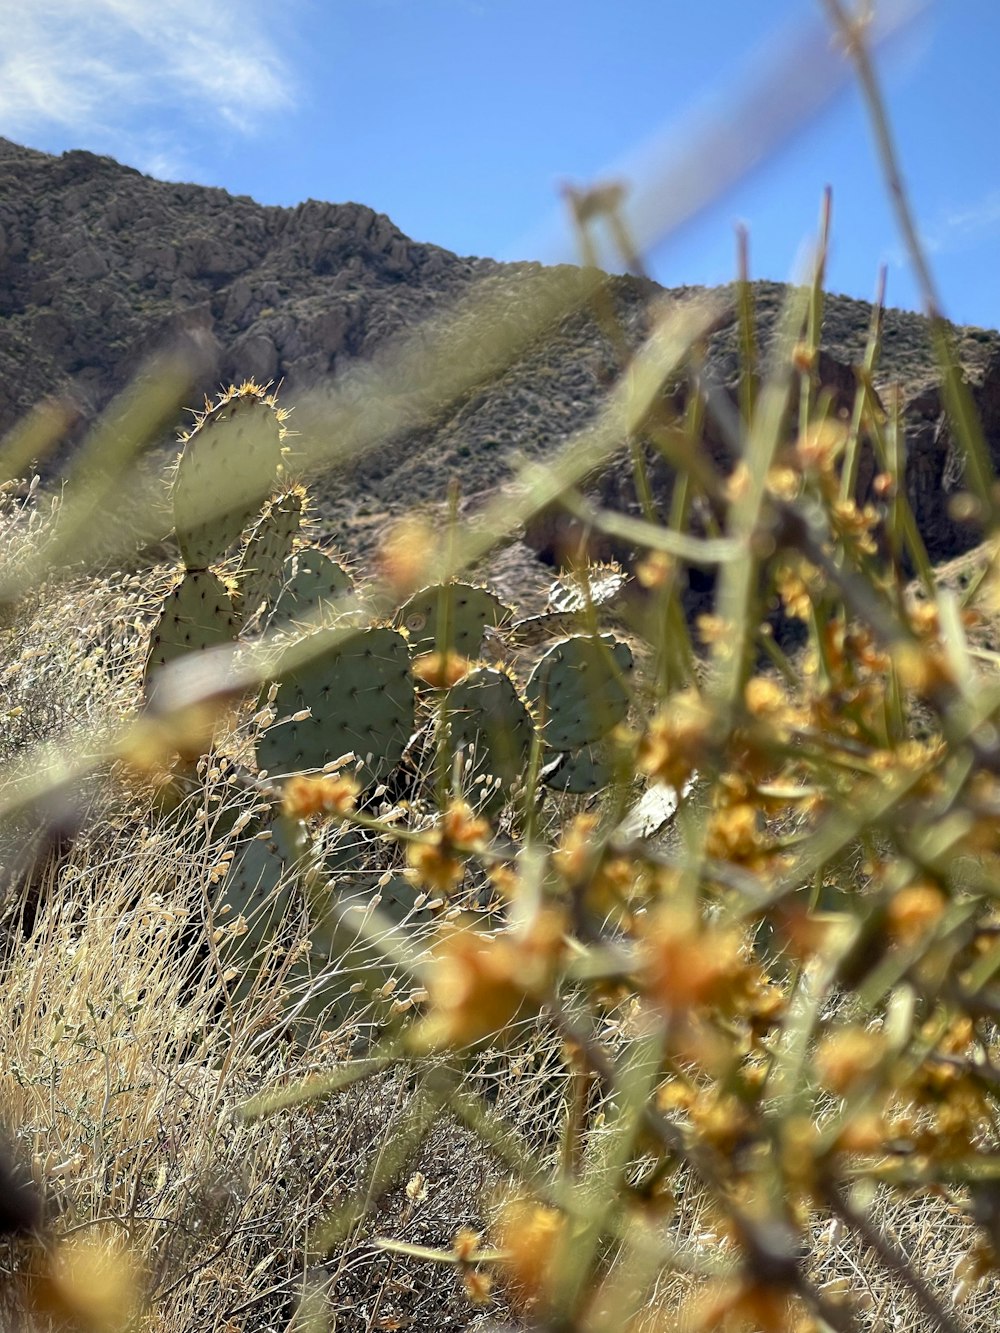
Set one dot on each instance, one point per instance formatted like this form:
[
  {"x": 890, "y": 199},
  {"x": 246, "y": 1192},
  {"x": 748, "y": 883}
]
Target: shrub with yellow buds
[
  {"x": 437, "y": 861},
  {"x": 914, "y": 911},
  {"x": 677, "y": 741},
  {"x": 304, "y": 797},
  {"x": 689, "y": 965},
  {"x": 478, "y": 983},
  {"x": 530, "y": 1235},
  {"x": 849, "y": 1057}
]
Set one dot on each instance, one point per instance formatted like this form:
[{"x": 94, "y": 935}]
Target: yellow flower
[
  {"x": 855, "y": 526},
  {"x": 477, "y": 983},
  {"x": 784, "y": 482},
  {"x": 688, "y": 966},
  {"x": 797, "y": 581},
  {"x": 721, "y": 1121},
  {"x": 655, "y": 569},
  {"x": 864, "y": 1132},
  {"x": 913, "y": 911},
  {"x": 473, "y": 988},
  {"x": 406, "y": 554},
  {"x": 531, "y": 1235},
  {"x": 821, "y": 445},
  {"x": 849, "y": 1057},
  {"x": 764, "y": 697},
  {"x": 677, "y": 739},
  {"x": 574, "y": 858},
  {"x": 734, "y": 833},
  {"x": 438, "y": 860},
  {"x": 304, "y": 797},
  {"x": 465, "y": 1246},
  {"x": 923, "y": 668},
  {"x": 713, "y": 631},
  {"x": 478, "y": 1286}
]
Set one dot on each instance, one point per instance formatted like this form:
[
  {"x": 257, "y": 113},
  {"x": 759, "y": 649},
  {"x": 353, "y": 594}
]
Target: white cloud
[
  {"x": 95, "y": 66},
  {"x": 956, "y": 229},
  {"x": 961, "y": 227}
]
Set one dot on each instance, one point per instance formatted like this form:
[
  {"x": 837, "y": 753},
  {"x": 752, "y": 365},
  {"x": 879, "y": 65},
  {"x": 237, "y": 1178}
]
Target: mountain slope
[{"x": 99, "y": 265}]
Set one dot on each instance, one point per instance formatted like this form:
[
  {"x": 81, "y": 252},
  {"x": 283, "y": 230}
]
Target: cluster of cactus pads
[{"x": 342, "y": 679}]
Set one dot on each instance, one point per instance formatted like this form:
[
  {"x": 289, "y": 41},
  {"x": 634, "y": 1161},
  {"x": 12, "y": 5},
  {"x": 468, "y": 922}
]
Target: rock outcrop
[{"x": 100, "y": 265}]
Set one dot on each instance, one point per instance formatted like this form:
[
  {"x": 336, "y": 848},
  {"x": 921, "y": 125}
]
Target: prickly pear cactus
[
  {"x": 198, "y": 614},
  {"x": 577, "y": 690},
  {"x": 261, "y": 569},
  {"x": 470, "y": 610},
  {"x": 534, "y": 631},
  {"x": 569, "y": 598},
  {"x": 228, "y": 467},
  {"x": 346, "y": 976},
  {"x": 491, "y": 726},
  {"x": 311, "y": 585},
  {"x": 359, "y": 692},
  {"x": 255, "y": 901},
  {"x": 580, "y": 772}
]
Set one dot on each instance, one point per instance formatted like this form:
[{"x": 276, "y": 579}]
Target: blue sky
[{"x": 461, "y": 119}]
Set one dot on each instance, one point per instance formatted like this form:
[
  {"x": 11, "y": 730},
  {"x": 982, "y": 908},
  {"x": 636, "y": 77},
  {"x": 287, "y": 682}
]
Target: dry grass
[
  {"x": 123, "y": 1063},
  {"x": 122, "y": 1068}
]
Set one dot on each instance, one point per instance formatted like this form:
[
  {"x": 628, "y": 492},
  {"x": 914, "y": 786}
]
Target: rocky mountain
[{"x": 100, "y": 265}]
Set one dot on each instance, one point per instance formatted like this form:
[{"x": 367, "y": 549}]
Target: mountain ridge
[{"x": 100, "y": 265}]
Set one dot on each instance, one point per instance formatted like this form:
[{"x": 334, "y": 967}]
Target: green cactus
[
  {"x": 230, "y": 458},
  {"x": 198, "y": 614},
  {"x": 470, "y": 611},
  {"x": 580, "y": 772},
  {"x": 489, "y": 723},
  {"x": 280, "y": 887},
  {"x": 346, "y": 976},
  {"x": 360, "y": 695},
  {"x": 261, "y": 569},
  {"x": 577, "y": 690},
  {"x": 311, "y": 583},
  {"x": 256, "y": 898},
  {"x": 533, "y": 631}
]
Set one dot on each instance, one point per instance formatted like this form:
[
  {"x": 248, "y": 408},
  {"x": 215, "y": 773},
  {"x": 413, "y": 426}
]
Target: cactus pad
[
  {"x": 258, "y": 889},
  {"x": 311, "y": 584},
  {"x": 471, "y": 610},
  {"x": 360, "y": 694},
  {"x": 577, "y": 690},
  {"x": 487, "y": 719},
  {"x": 581, "y": 772},
  {"x": 226, "y": 470},
  {"x": 533, "y": 631},
  {"x": 261, "y": 570},
  {"x": 198, "y": 614},
  {"x": 341, "y": 977}
]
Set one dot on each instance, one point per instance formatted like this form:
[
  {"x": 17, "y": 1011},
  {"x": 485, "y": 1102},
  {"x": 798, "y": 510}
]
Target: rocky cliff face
[{"x": 100, "y": 265}]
